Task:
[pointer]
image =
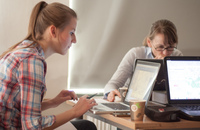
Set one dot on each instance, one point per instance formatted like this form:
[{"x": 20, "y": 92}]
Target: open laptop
[
  {"x": 142, "y": 82},
  {"x": 183, "y": 85},
  {"x": 160, "y": 80}
]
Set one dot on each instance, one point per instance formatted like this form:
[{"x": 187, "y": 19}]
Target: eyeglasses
[{"x": 163, "y": 48}]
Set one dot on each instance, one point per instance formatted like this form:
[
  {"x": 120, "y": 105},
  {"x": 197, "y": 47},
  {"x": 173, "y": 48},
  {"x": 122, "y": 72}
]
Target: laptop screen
[
  {"x": 160, "y": 80},
  {"x": 143, "y": 79},
  {"x": 183, "y": 78}
]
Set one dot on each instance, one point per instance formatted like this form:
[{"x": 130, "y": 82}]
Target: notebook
[
  {"x": 160, "y": 80},
  {"x": 142, "y": 80},
  {"x": 183, "y": 85}
]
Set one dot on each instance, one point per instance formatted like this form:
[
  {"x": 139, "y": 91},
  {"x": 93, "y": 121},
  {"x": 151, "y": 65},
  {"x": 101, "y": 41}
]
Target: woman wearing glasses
[{"x": 161, "y": 41}]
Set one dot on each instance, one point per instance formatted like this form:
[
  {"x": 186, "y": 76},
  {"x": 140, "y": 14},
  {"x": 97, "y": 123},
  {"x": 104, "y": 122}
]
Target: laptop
[
  {"x": 142, "y": 82},
  {"x": 160, "y": 80},
  {"x": 183, "y": 85}
]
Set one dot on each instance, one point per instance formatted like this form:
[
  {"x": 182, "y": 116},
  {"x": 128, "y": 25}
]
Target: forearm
[
  {"x": 46, "y": 104},
  {"x": 62, "y": 119},
  {"x": 82, "y": 106}
]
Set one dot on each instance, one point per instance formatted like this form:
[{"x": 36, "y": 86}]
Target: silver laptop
[
  {"x": 160, "y": 80},
  {"x": 183, "y": 85},
  {"x": 142, "y": 81}
]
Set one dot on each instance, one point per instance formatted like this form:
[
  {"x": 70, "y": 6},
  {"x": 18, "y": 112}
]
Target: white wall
[
  {"x": 14, "y": 25},
  {"x": 15, "y": 17},
  {"x": 107, "y": 29}
]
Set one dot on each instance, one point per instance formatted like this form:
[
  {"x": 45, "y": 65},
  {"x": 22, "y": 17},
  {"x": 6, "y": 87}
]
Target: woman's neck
[{"x": 48, "y": 51}]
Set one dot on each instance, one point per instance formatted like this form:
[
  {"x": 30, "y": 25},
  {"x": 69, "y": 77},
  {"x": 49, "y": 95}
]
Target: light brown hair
[
  {"x": 43, "y": 15},
  {"x": 165, "y": 27}
]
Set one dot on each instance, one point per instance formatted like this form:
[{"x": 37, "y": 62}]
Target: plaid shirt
[{"x": 22, "y": 87}]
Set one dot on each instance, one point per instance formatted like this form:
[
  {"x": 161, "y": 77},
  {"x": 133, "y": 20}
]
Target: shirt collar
[
  {"x": 149, "y": 53},
  {"x": 40, "y": 51},
  {"x": 38, "y": 47}
]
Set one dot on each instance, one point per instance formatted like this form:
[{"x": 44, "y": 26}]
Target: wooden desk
[{"x": 125, "y": 123}]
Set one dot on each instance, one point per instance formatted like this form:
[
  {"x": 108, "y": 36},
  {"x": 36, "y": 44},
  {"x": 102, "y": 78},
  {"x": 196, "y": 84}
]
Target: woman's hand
[
  {"x": 83, "y": 105},
  {"x": 64, "y": 95},
  {"x": 111, "y": 95}
]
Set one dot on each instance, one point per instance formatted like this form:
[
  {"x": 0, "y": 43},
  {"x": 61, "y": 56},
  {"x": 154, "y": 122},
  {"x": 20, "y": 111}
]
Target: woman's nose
[
  {"x": 166, "y": 52},
  {"x": 74, "y": 39}
]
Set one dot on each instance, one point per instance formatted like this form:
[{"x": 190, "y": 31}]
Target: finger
[
  {"x": 111, "y": 97},
  {"x": 73, "y": 95},
  {"x": 92, "y": 103},
  {"x": 67, "y": 97},
  {"x": 65, "y": 92},
  {"x": 74, "y": 98},
  {"x": 92, "y": 100},
  {"x": 85, "y": 96},
  {"x": 117, "y": 93}
]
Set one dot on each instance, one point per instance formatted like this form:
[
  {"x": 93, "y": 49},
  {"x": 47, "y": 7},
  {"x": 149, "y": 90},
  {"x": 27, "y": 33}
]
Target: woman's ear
[
  {"x": 52, "y": 30},
  {"x": 149, "y": 42}
]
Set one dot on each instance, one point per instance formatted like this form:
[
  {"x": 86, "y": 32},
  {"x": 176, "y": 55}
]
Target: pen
[{"x": 92, "y": 96}]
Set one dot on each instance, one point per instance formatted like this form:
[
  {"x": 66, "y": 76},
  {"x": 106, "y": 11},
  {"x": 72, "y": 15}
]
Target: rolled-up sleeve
[{"x": 31, "y": 76}]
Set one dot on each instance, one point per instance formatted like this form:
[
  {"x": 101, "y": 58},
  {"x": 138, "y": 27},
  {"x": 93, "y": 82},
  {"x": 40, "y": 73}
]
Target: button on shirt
[
  {"x": 22, "y": 87},
  {"x": 127, "y": 65}
]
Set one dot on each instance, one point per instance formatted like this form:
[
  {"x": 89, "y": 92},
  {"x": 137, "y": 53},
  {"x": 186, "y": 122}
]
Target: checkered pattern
[{"x": 22, "y": 86}]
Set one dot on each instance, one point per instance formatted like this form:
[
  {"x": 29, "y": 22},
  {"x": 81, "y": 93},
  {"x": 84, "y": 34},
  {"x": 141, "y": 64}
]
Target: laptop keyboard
[
  {"x": 191, "y": 107},
  {"x": 116, "y": 106}
]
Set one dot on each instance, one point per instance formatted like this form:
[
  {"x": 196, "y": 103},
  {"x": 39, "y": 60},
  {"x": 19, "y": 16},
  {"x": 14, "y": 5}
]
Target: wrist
[
  {"x": 106, "y": 95},
  {"x": 74, "y": 112}
]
